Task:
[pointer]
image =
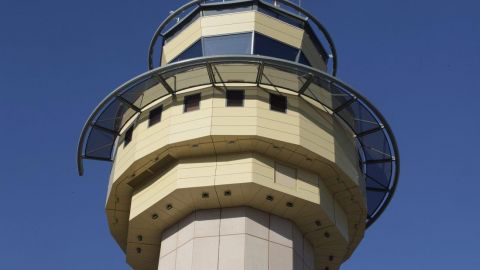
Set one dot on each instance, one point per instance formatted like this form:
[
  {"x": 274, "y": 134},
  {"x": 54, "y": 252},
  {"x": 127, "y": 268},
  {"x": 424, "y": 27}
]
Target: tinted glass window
[
  {"x": 278, "y": 103},
  {"x": 193, "y": 51},
  {"x": 229, "y": 44},
  {"x": 155, "y": 116},
  {"x": 191, "y": 103},
  {"x": 235, "y": 98},
  {"x": 128, "y": 135},
  {"x": 270, "y": 47},
  {"x": 303, "y": 60}
]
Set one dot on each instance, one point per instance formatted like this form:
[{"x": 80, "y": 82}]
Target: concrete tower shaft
[{"x": 238, "y": 142}]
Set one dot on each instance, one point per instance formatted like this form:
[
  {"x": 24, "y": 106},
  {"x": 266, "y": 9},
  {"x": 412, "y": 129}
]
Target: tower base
[{"x": 240, "y": 238}]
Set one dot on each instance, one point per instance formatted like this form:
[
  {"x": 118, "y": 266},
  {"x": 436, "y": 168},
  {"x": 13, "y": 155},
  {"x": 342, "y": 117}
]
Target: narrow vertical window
[
  {"x": 191, "y": 103},
  {"x": 235, "y": 98},
  {"x": 155, "y": 116},
  {"x": 128, "y": 136},
  {"x": 278, "y": 103}
]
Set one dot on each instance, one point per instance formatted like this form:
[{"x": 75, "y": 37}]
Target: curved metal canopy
[
  {"x": 198, "y": 5},
  {"x": 377, "y": 146}
]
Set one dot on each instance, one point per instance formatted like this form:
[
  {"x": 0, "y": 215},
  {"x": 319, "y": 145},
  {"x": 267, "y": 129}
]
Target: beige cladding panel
[
  {"x": 278, "y": 30},
  {"x": 228, "y": 23}
]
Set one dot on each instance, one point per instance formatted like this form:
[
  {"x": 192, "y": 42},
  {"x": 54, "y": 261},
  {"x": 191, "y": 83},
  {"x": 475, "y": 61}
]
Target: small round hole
[
  {"x": 269, "y": 198},
  {"x": 227, "y": 193},
  {"x": 140, "y": 238},
  {"x": 205, "y": 195},
  {"x": 139, "y": 250},
  {"x": 326, "y": 234},
  {"x": 289, "y": 204},
  {"x": 169, "y": 207},
  {"x": 154, "y": 216},
  {"x": 318, "y": 223}
]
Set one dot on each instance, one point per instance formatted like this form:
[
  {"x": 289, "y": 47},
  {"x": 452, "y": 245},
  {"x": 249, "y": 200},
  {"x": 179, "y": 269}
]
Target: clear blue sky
[{"x": 418, "y": 61}]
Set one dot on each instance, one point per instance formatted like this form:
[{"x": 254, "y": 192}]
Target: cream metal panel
[
  {"x": 182, "y": 41},
  {"x": 216, "y": 25},
  {"x": 278, "y": 30}
]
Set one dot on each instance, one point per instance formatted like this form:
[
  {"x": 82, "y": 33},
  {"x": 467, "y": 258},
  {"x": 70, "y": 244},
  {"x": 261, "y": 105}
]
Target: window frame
[
  {"x": 151, "y": 112},
  {"x": 272, "y": 107},
  {"x": 191, "y": 97},
  {"x": 235, "y": 90}
]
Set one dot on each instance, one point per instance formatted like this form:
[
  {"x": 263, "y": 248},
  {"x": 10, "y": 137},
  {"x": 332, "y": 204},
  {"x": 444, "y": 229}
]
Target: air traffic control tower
[{"x": 239, "y": 148}]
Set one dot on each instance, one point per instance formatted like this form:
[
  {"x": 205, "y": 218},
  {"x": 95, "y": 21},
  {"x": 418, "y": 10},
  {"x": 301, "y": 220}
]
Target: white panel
[
  {"x": 186, "y": 229},
  {"x": 168, "y": 262},
  {"x": 233, "y": 221},
  {"x": 308, "y": 256},
  {"x": 280, "y": 257},
  {"x": 280, "y": 231},
  {"x": 232, "y": 252},
  {"x": 256, "y": 253},
  {"x": 297, "y": 241},
  {"x": 169, "y": 240},
  {"x": 184, "y": 257},
  {"x": 205, "y": 253},
  {"x": 207, "y": 223},
  {"x": 257, "y": 223},
  {"x": 297, "y": 262}
]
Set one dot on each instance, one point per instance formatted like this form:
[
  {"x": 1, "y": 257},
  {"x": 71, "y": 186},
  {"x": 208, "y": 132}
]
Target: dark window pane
[
  {"x": 235, "y": 98},
  {"x": 128, "y": 135},
  {"x": 193, "y": 51},
  {"x": 278, "y": 103},
  {"x": 155, "y": 116},
  {"x": 303, "y": 59},
  {"x": 270, "y": 47},
  {"x": 192, "y": 103},
  {"x": 228, "y": 44}
]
